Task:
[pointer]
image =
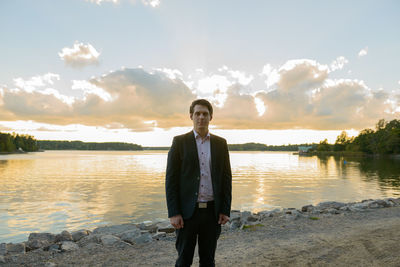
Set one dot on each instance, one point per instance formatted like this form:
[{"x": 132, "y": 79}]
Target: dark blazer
[{"x": 183, "y": 176}]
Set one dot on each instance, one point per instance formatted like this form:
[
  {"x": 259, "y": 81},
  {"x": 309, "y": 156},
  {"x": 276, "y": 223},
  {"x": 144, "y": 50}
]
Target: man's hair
[{"x": 202, "y": 102}]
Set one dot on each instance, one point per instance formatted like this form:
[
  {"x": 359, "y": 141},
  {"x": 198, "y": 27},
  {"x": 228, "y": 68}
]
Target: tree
[
  {"x": 341, "y": 142},
  {"x": 324, "y": 146}
]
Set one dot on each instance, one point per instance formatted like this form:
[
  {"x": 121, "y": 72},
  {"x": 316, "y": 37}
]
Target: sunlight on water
[{"x": 58, "y": 190}]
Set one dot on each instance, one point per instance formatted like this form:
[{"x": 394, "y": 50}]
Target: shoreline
[{"x": 117, "y": 244}]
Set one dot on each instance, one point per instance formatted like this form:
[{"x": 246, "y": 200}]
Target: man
[{"x": 198, "y": 187}]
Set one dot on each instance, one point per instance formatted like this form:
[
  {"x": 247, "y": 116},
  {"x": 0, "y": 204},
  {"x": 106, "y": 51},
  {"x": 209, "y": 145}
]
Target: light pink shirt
[{"x": 204, "y": 152}]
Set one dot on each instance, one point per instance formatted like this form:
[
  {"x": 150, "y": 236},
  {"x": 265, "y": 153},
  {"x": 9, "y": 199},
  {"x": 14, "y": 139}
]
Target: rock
[
  {"x": 114, "y": 229},
  {"x": 92, "y": 246},
  {"x": 307, "y": 208},
  {"x": 93, "y": 238},
  {"x": 152, "y": 228},
  {"x": 50, "y": 264},
  {"x": 159, "y": 235},
  {"x": 235, "y": 215},
  {"x": 330, "y": 205},
  {"x": 396, "y": 201},
  {"x": 265, "y": 214},
  {"x": 276, "y": 212},
  {"x": 54, "y": 248},
  {"x": 68, "y": 246},
  {"x": 236, "y": 224},
  {"x": 331, "y": 211},
  {"x": 130, "y": 236},
  {"x": 39, "y": 240},
  {"x": 244, "y": 215},
  {"x": 122, "y": 245},
  {"x": 165, "y": 227},
  {"x": 374, "y": 205},
  {"x": 390, "y": 202},
  {"x": 252, "y": 218},
  {"x": 109, "y": 240},
  {"x": 2, "y": 259},
  {"x": 3, "y": 249},
  {"x": 367, "y": 200},
  {"x": 64, "y": 236},
  {"x": 143, "y": 238},
  {"x": 78, "y": 235},
  {"x": 345, "y": 208},
  {"x": 360, "y": 206},
  {"x": 18, "y": 248}
]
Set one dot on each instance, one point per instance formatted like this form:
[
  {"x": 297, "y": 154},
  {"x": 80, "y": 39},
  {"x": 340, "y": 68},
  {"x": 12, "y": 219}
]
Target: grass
[{"x": 252, "y": 227}]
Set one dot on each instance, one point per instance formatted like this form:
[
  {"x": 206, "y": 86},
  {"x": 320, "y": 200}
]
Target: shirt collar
[{"x": 197, "y": 135}]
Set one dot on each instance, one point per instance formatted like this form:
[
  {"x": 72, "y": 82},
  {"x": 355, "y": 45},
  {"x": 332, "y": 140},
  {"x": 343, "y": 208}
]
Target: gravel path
[{"x": 367, "y": 238}]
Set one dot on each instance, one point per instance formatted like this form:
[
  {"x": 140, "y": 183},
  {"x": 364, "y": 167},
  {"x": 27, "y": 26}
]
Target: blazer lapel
[
  {"x": 193, "y": 149},
  {"x": 213, "y": 155}
]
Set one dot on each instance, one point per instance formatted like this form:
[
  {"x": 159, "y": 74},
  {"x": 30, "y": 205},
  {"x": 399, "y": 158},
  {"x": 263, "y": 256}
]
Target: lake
[{"x": 57, "y": 190}]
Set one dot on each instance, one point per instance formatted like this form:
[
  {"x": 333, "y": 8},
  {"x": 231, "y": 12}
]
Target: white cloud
[
  {"x": 363, "y": 52},
  {"x": 171, "y": 73},
  {"x": 99, "y": 2},
  {"x": 272, "y": 75},
  {"x": 79, "y": 55},
  {"x": 36, "y": 81},
  {"x": 259, "y": 106},
  {"x": 89, "y": 89},
  {"x": 338, "y": 63},
  {"x": 213, "y": 87},
  {"x": 69, "y": 100},
  {"x": 238, "y": 76},
  {"x": 303, "y": 96},
  {"x": 152, "y": 3}
]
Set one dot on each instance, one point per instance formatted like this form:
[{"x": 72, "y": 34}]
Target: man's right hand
[{"x": 177, "y": 221}]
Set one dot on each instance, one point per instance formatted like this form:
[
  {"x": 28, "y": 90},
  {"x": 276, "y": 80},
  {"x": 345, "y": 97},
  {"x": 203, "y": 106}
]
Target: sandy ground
[{"x": 368, "y": 238}]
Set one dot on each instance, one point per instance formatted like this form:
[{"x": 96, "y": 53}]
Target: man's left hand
[{"x": 223, "y": 219}]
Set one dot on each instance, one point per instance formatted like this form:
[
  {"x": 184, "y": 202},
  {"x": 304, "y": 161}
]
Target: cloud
[
  {"x": 301, "y": 96},
  {"x": 129, "y": 98},
  {"x": 363, "y": 52},
  {"x": 214, "y": 86},
  {"x": 36, "y": 82},
  {"x": 79, "y": 55},
  {"x": 271, "y": 74},
  {"x": 171, "y": 73},
  {"x": 90, "y": 89},
  {"x": 338, "y": 63},
  {"x": 151, "y": 3},
  {"x": 99, "y": 2}
]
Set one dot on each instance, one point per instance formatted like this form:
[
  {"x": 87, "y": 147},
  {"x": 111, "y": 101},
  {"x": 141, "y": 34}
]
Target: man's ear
[
  {"x": 210, "y": 117},
  {"x": 191, "y": 116}
]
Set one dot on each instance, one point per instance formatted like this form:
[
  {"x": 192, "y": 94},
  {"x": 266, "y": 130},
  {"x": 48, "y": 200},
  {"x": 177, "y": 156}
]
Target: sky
[{"x": 276, "y": 72}]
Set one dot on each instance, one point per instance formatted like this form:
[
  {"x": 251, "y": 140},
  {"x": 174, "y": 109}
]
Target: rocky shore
[{"x": 362, "y": 233}]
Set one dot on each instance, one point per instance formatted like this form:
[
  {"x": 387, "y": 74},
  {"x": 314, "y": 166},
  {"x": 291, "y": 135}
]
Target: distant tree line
[
  {"x": 14, "y": 142},
  {"x": 385, "y": 139},
  {"x": 263, "y": 147},
  {"x": 79, "y": 145}
]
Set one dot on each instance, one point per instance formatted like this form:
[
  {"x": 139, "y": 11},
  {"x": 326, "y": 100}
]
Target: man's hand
[
  {"x": 177, "y": 221},
  {"x": 223, "y": 219}
]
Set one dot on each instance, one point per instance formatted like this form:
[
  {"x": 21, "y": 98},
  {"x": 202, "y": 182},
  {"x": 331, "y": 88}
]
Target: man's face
[{"x": 201, "y": 118}]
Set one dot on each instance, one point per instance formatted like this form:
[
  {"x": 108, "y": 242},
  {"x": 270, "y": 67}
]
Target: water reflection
[{"x": 58, "y": 190}]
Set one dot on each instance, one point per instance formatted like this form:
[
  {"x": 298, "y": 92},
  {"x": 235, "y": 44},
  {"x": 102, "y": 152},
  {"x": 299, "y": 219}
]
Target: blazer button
[
  {"x": 198, "y": 177},
  {"x": 195, "y": 193}
]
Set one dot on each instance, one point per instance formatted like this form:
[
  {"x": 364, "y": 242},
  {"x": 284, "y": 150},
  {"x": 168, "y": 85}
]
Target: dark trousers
[{"x": 204, "y": 227}]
